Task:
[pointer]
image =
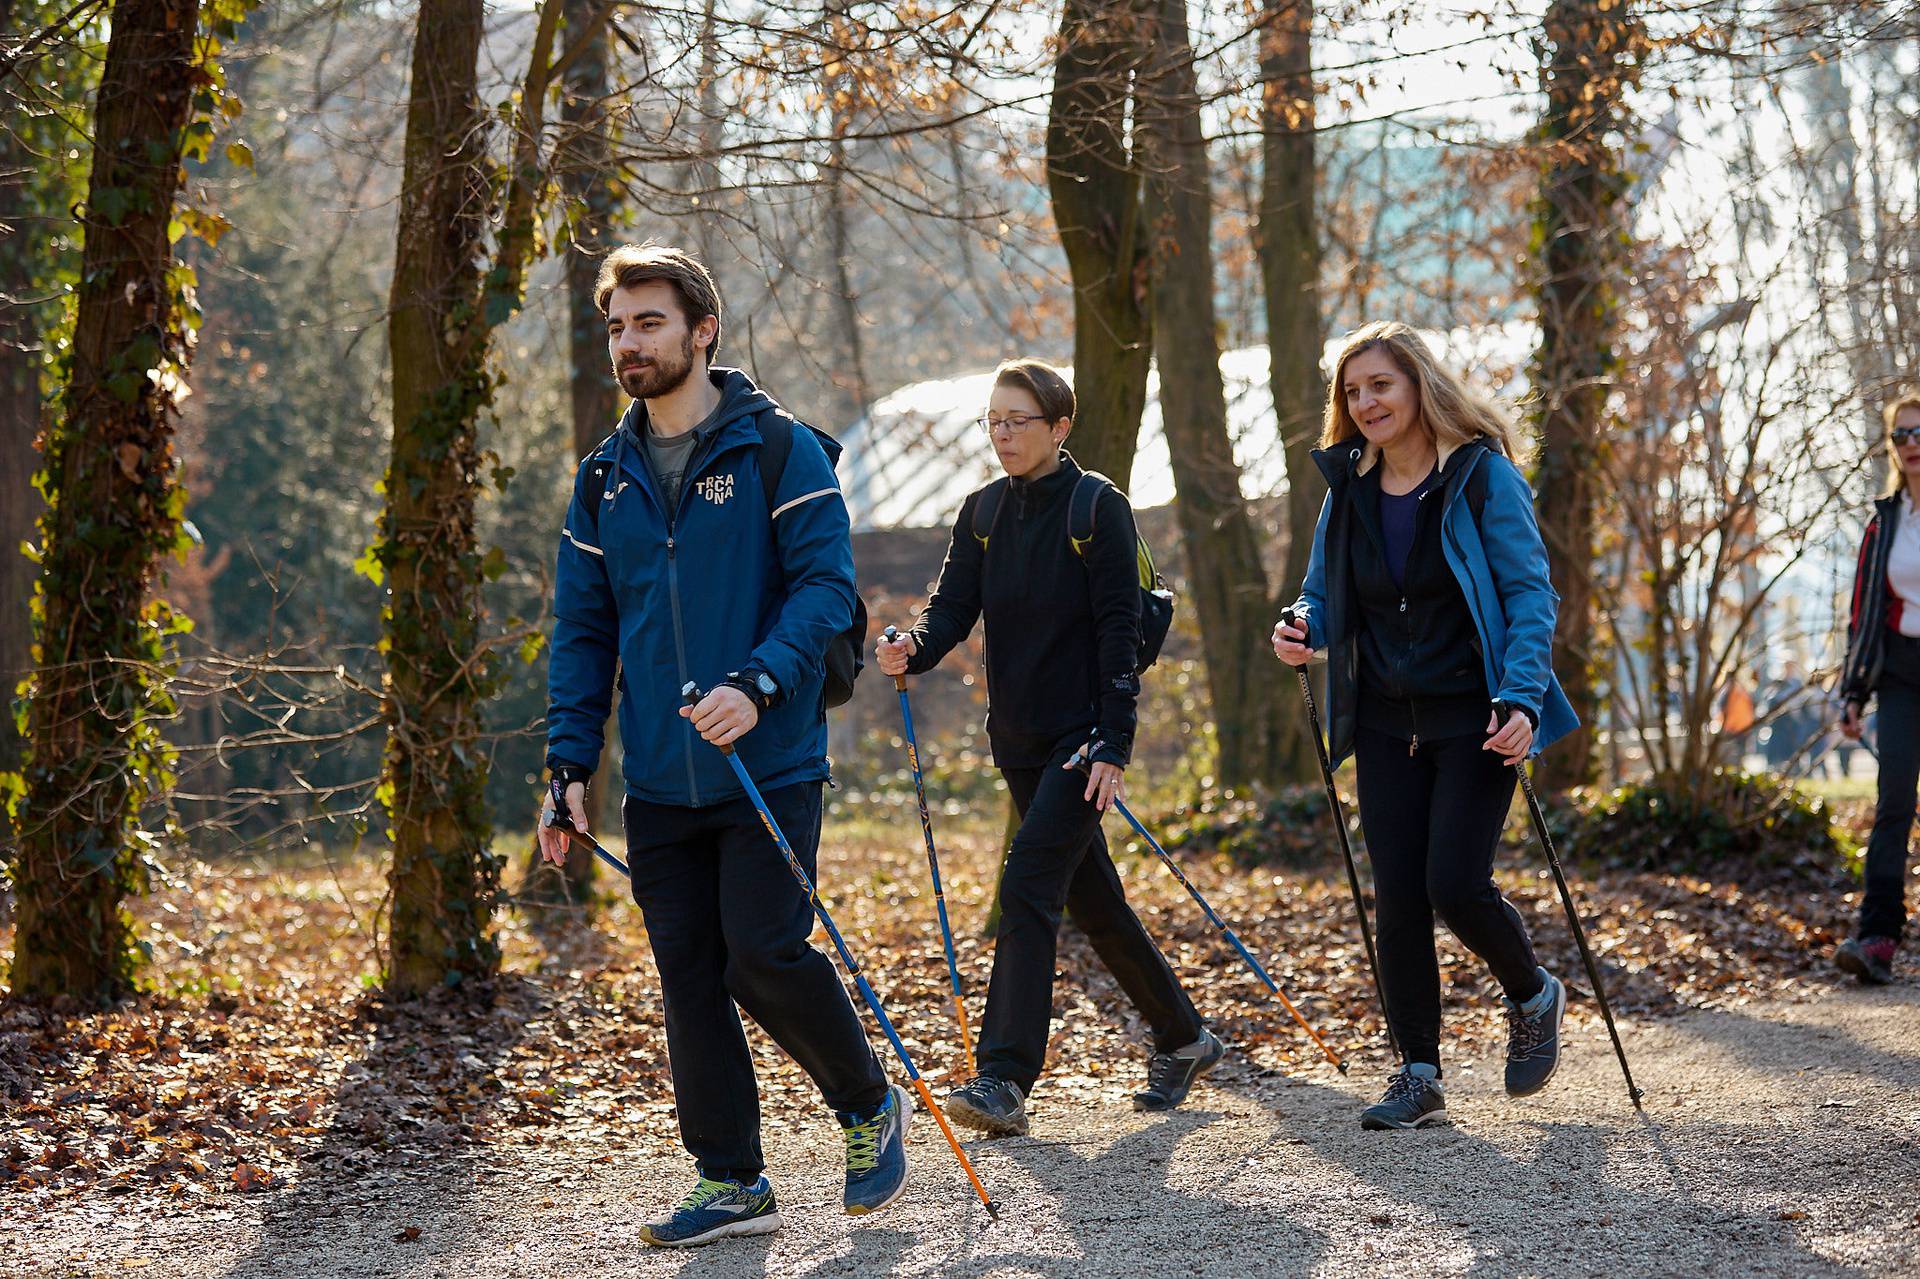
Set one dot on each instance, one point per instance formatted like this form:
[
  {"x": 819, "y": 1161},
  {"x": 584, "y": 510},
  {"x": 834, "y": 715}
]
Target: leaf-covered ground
[{"x": 263, "y": 1055}]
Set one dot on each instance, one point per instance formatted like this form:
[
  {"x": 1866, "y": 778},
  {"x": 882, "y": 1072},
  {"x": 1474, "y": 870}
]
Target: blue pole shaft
[
  {"x": 933, "y": 867},
  {"x": 853, "y": 971},
  {"x": 1273, "y": 987}
]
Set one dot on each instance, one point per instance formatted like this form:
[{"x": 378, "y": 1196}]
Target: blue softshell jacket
[
  {"x": 1500, "y": 563},
  {"x": 694, "y": 593}
]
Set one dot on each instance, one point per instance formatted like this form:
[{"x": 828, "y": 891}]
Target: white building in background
[{"x": 914, "y": 458}]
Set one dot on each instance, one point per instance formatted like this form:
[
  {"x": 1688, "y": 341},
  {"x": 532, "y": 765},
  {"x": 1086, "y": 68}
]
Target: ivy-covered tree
[
  {"x": 43, "y": 105},
  {"x": 94, "y": 754},
  {"x": 451, "y": 291}
]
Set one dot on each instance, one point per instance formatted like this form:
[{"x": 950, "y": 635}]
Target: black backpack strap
[
  {"x": 986, "y": 511},
  {"x": 1082, "y": 509},
  {"x": 776, "y": 443},
  {"x": 1476, "y": 494}
]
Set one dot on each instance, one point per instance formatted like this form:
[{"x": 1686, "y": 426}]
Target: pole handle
[{"x": 892, "y": 635}]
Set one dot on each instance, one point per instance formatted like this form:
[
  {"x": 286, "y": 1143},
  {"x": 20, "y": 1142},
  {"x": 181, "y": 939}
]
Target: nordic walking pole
[
  {"x": 561, "y": 818},
  {"x": 690, "y": 694},
  {"x": 933, "y": 862},
  {"x": 1579, "y": 933},
  {"x": 1079, "y": 761},
  {"x": 1340, "y": 827}
]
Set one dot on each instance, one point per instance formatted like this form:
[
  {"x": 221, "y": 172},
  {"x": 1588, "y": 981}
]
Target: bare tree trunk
[
  {"x": 93, "y": 750},
  {"x": 593, "y": 394},
  {"x": 1224, "y": 572},
  {"x": 1589, "y": 65},
  {"x": 444, "y": 877},
  {"x": 1289, "y": 247},
  {"x": 1094, "y": 177},
  {"x": 848, "y": 364}
]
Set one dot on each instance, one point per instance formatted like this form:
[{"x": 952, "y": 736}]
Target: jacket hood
[
  {"x": 739, "y": 398},
  {"x": 1350, "y": 458}
]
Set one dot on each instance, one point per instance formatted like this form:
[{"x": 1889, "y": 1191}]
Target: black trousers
[
  {"x": 1432, "y": 820},
  {"x": 729, "y": 925},
  {"x": 1883, "y": 908},
  {"x": 1059, "y": 861}
]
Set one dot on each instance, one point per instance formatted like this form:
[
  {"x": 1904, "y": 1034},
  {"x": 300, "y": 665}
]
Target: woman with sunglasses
[
  {"x": 1062, "y": 634},
  {"x": 1883, "y": 661}
]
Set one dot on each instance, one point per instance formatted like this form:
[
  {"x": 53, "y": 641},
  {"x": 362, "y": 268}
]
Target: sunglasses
[{"x": 1905, "y": 435}]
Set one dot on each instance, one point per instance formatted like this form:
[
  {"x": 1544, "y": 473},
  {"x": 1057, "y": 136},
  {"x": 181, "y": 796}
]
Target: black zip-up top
[
  {"x": 1420, "y": 671},
  {"x": 1876, "y": 608},
  {"x": 1062, "y": 631},
  {"x": 1412, "y": 671}
]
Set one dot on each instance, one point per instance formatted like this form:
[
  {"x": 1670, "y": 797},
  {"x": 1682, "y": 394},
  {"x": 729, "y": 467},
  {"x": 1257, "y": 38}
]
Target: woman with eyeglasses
[
  {"x": 1883, "y": 661},
  {"x": 1062, "y": 634}
]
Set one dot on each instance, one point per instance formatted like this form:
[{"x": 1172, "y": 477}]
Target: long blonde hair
[
  {"x": 1905, "y": 400},
  {"x": 1453, "y": 411}
]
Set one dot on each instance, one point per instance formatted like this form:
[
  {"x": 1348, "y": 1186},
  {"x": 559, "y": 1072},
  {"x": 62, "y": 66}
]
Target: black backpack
[
  {"x": 846, "y": 652},
  {"x": 1156, "y": 601}
]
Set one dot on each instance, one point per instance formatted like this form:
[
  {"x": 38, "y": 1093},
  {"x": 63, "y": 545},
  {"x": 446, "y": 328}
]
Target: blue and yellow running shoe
[
  {"x": 876, "y": 1152},
  {"x": 715, "y": 1210}
]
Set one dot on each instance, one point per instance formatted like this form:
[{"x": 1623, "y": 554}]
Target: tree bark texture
[
  {"x": 444, "y": 877},
  {"x": 1094, "y": 178},
  {"x": 93, "y": 753},
  {"x": 1226, "y": 580},
  {"x": 1580, "y": 241},
  {"x": 1289, "y": 248}
]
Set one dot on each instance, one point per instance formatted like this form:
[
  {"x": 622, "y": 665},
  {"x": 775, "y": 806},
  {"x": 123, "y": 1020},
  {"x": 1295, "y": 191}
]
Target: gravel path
[{"x": 1778, "y": 1140}]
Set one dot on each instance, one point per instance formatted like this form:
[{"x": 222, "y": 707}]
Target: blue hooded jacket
[
  {"x": 693, "y": 594},
  {"x": 1500, "y": 563}
]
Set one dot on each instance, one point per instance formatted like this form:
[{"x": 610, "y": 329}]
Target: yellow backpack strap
[{"x": 1083, "y": 510}]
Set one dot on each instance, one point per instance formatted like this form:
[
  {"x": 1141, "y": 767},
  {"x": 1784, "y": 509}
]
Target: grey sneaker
[
  {"x": 1868, "y": 958},
  {"x": 991, "y": 1105},
  {"x": 1533, "y": 1042},
  {"x": 1171, "y": 1075},
  {"x": 1412, "y": 1101}
]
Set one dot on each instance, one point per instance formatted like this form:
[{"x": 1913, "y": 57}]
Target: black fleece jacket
[
  {"x": 1062, "y": 631},
  {"x": 1421, "y": 678}
]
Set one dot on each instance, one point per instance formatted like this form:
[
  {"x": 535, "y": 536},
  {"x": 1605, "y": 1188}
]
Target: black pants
[
  {"x": 1883, "y": 909},
  {"x": 1432, "y": 820},
  {"x": 1059, "y": 861},
  {"x": 729, "y": 925}
]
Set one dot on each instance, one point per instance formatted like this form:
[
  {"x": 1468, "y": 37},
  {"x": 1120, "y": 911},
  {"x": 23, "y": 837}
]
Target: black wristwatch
[
  {"x": 568, "y": 774},
  {"x": 761, "y": 688}
]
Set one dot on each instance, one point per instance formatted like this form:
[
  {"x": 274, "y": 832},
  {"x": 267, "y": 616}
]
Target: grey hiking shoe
[
  {"x": 1412, "y": 1101},
  {"x": 1533, "y": 1039},
  {"x": 991, "y": 1105},
  {"x": 1868, "y": 958},
  {"x": 1171, "y": 1075}
]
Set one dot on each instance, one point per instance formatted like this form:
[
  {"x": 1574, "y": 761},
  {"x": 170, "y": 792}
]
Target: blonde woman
[
  {"x": 1428, "y": 590},
  {"x": 1883, "y": 661}
]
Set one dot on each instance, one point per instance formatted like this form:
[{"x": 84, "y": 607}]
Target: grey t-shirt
[{"x": 670, "y": 456}]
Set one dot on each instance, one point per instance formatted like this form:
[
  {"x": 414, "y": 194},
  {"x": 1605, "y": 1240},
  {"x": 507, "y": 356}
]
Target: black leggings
[
  {"x": 1059, "y": 861},
  {"x": 1883, "y": 909},
  {"x": 1432, "y": 819}
]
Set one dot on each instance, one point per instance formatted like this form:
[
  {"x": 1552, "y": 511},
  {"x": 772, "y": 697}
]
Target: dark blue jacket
[
  {"x": 694, "y": 593},
  {"x": 1499, "y": 561}
]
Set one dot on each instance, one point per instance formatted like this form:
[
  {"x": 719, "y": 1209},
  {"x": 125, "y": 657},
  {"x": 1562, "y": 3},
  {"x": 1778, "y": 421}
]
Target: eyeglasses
[
  {"x": 1905, "y": 435},
  {"x": 1015, "y": 423}
]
